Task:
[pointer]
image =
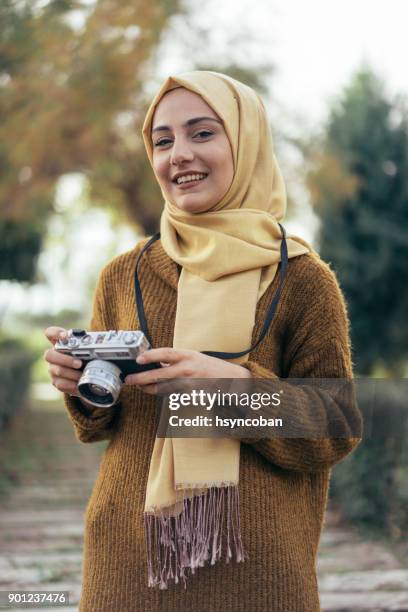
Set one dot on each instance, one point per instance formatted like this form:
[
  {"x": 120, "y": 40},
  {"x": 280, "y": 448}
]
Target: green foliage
[
  {"x": 67, "y": 318},
  {"x": 19, "y": 249},
  {"x": 72, "y": 101},
  {"x": 359, "y": 185},
  {"x": 15, "y": 366},
  {"x": 371, "y": 483}
]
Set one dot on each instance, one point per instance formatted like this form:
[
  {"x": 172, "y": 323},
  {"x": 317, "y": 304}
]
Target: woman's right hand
[{"x": 63, "y": 369}]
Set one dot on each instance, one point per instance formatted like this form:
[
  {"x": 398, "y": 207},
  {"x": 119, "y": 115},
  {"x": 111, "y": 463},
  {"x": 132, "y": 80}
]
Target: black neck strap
[{"x": 219, "y": 354}]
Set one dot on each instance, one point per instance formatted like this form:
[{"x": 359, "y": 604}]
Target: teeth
[{"x": 190, "y": 177}]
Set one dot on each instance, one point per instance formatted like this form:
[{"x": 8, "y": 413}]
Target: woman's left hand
[{"x": 182, "y": 363}]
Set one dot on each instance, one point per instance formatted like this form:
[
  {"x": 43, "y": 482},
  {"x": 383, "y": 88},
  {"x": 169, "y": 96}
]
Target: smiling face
[{"x": 189, "y": 141}]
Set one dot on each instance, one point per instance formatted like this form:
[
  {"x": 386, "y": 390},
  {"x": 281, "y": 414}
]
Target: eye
[
  {"x": 161, "y": 142},
  {"x": 202, "y": 133}
]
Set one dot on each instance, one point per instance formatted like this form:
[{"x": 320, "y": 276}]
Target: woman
[{"x": 207, "y": 284}]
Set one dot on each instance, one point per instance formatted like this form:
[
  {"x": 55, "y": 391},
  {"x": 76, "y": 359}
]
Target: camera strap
[{"x": 271, "y": 310}]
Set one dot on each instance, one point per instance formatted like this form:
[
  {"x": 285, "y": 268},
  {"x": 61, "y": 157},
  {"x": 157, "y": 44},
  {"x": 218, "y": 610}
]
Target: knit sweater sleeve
[
  {"x": 317, "y": 346},
  {"x": 93, "y": 424}
]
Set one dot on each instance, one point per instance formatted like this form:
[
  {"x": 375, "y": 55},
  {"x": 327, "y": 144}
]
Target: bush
[
  {"x": 370, "y": 484},
  {"x": 20, "y": 246},
  {"x": 15, "y": 374}
]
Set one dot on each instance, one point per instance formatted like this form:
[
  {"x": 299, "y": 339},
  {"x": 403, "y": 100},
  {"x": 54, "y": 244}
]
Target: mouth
[{"x": 189, "y": 180}]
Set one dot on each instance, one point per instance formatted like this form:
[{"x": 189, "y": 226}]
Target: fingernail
[
  {"x": 140, "y": 359},
  {"x": 77, "y": 363}
]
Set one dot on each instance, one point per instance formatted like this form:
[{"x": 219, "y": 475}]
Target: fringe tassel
[{"x": 176, "y": 546}]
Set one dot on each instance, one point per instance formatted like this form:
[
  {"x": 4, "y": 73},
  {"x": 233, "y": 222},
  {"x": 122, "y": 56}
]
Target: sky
[
  {"x": 315, "y": 46},
  {"x": 318, "y": 44}
]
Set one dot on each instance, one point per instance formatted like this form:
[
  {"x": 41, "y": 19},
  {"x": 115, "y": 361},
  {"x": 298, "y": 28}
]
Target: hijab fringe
[{"x": 177, "y": 545}]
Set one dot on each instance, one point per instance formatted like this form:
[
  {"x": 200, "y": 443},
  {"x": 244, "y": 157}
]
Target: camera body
[{"x": 108, "y": 357}]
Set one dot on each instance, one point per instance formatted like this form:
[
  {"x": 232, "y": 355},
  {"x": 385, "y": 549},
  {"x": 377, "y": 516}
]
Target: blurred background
[{"x": 76, "y": 189}]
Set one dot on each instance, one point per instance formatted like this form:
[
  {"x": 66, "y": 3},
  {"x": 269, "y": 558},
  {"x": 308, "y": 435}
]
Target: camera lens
[
  {"x": 97, "y": 390},
  {"x": 100, "y": 383}
]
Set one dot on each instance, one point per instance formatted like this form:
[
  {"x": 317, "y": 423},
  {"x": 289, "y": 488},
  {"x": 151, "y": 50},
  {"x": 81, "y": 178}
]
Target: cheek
[
  {"x": 222, "y": 157},
  {"x": 160, "y": 168}
]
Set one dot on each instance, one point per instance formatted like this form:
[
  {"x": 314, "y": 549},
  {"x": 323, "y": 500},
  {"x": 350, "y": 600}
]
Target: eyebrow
[{"x": 193, "y": 121}]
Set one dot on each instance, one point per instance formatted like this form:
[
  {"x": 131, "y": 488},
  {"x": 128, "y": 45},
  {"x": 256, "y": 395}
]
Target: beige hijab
[{"x": 229, "y": 256}]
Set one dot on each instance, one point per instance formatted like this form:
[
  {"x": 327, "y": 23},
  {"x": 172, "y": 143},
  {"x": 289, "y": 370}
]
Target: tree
[
  {"x": 358, "y": 181},
  {"x": 72, "y": 100}
]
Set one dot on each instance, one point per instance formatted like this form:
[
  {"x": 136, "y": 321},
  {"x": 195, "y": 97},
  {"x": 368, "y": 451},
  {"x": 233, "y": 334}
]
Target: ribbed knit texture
[{"x": 283, "y": 483}]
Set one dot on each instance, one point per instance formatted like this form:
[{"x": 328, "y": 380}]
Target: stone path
[
  {"x": 357, "y": 575},
  {"x": 41, "y": 519},
  {"x": 41, "y": 525}
]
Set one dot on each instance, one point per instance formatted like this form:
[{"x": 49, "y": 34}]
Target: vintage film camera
[{"x": 110, "y": 356}]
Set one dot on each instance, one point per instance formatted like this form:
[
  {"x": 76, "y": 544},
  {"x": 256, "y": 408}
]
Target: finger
[
  {"x": 56, "y": 358},
  {"x": 152, "y": 376},
  {"x": 168, "y": 355},
  {"x": 66, "y": 386},
  {"x": 67, "y": 373},
  {"x": 53, "y": 333}
]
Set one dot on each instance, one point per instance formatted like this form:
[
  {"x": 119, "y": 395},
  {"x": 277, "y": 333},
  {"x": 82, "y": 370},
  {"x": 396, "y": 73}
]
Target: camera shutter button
[{"x": 78, "y": 332}]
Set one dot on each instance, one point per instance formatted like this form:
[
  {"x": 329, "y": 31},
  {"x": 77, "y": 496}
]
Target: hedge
[
  {"x": 371, "y": 485},
  {"x": 15, "y": 374}
]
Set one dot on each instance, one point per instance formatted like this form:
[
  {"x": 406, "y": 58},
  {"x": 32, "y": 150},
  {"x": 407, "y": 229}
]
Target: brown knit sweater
[{"x": 283, "y": 482}]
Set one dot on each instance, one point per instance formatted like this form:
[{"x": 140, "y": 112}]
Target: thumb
[{"x": 53, "y": 334}]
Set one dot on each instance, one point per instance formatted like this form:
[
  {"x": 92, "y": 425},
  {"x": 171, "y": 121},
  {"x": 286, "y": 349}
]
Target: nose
[{"x": 181, "y": 152}]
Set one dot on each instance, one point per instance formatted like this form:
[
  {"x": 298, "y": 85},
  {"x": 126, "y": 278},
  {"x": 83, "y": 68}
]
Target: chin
[{"x": 191, "y": 206}]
